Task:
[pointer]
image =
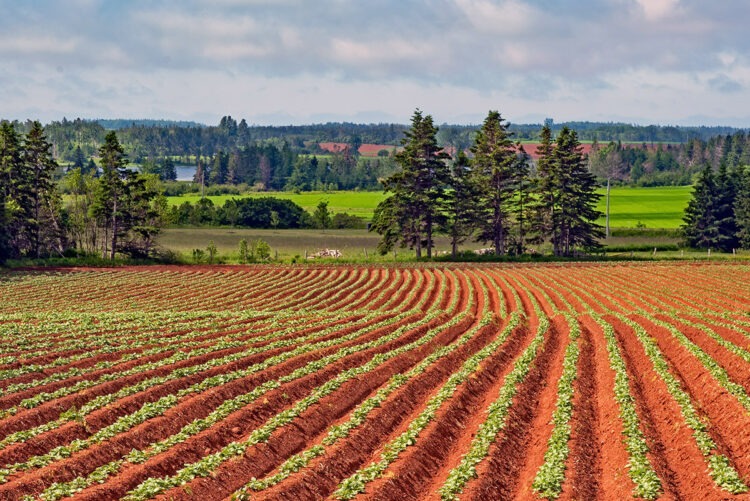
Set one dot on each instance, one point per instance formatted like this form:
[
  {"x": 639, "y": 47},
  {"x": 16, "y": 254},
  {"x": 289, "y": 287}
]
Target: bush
[{"x": 343, "y": 220}]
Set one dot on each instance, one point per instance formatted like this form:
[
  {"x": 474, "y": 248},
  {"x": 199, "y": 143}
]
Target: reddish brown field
[{"x": 569, "y": 381}]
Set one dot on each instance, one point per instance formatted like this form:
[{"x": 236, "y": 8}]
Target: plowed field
[{"x": 588, "y": 381}]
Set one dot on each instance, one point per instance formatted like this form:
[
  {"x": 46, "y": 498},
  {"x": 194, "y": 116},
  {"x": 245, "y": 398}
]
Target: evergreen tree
[
  {"x": 463, "y": 200},
  {"x": 168, "y": 170},
  {"x": 419, "y": 190},
  {"x": 5, "y": 251},
  {"x": 742, "y": 209},
  {"x": 727, "y": 184},
  {"x": 521, "y": 210},
  {"x": 79, "y": 161},
  {"x": 574, "y": 213},
  {"x": 18, "y": 190},
  {"x": 543, "y": 205},
  {"x": 700, "y": 228},
  {"x": 108, "y": 206},
  {"x": 322, "y": 216},
  {"x": 44, "y": 225},
  {"x": 495, "y": 168}
]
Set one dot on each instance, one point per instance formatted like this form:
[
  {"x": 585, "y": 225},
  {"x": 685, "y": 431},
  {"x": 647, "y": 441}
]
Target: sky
[{"x": 278, "y": 62}]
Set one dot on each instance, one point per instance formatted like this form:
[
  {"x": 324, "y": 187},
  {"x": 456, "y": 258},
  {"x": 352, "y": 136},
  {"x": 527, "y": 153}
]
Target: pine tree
[
  {"x": 44, "y": 226},
  {"x": 17, "y": 186},
  {"x": 110, "y": 191},
  {"x": 419, "y": 191},
  {"x": 574, "y": 214},
  {"x": 742, "y": 209},
  {"x": 463, "y": 200},
  {"x": 700, "y": 228},
  {"x": 569, "y": 197},
  {"x": 543, "y": 205},
  {"x": 495, "y": 168},
  {"x": 727, "y": 184},
  {"x": 521, "y": 208}
]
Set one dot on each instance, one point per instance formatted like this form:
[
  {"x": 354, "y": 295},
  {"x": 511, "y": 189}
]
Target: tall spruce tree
[
  {"x": 110, "y": 191},
  {"x": 415, "y": 209},
  {"x": 496, "y": 173},
  {"x": 700, "y": 228},
  {"x": 543, "y": 204},
  {"x": 742, "y": 209},
  {"x": 574, "y": 212},
  {"x": 18, "y": 191},
  {"x": 44, "y": 225},
  {"x": 727, "y": 184},
  {"x": 461, "y": 210}
]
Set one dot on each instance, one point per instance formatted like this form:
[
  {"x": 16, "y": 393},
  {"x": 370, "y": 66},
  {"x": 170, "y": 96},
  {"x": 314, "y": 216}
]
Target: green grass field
[
  {"x": 660, "y": 207},
  {"x": 357, "y": 203}
]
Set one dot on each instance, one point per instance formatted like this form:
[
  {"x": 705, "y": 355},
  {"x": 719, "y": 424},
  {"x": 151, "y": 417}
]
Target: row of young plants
[
  {"x": 357, "y": 482},
  {"x": 104, "y": 289},
  {"x": 154, "y": 486},
  {"x": 227, "y": 342},
  {"x": 148, "y": 345},
  {"x": 715, "y": 369},
  {"x": 640, "y": 469},
  {"x": 497, "y": 412},
  {"x": 31, "y": 336},
  {"x": 154, "y": 409},
  {"x": 548, "y": 482},
  {"x": 101, "y": 401},
  {"x": 361, "y": 413},
  {"x": 666, "y": 308},
  {"x": 60, "y": 490},
  {"x": 719, "y": 466}
]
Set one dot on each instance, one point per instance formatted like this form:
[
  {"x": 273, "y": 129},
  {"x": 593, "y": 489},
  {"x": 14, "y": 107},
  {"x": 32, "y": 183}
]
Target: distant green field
[
  {"x": 660, "y": 207},
  {"x": 358, "y": 203}
]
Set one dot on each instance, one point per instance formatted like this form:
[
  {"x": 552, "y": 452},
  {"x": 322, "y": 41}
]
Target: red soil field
[{"x": 571, "y": 381}]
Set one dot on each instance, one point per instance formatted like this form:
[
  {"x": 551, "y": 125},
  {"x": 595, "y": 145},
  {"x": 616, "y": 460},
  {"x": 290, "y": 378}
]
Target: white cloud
[
  {"x": 505, "y": 17},
  {"x": 655, "y": 10}
]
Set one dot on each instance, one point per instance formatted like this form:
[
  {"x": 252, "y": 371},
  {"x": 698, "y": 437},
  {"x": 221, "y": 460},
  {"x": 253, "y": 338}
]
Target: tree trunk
[{"x": 114, "y": 228}]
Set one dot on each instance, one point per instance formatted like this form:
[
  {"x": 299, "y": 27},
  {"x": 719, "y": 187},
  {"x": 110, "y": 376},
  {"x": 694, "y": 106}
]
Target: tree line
[
  {"x": 491, "y": 195},
  {"x": 112, "y": 209},
  {"x": 279, "y": 157}
]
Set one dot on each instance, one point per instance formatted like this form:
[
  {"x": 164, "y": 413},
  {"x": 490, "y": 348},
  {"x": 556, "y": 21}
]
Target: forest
[{"x": 290, "y": 157}]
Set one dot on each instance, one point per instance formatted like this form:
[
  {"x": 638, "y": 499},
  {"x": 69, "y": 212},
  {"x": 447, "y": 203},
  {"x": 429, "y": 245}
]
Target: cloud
[
  {"x": 655, "y": 10},
  {"x": 534, "y": 57},
  {"x": 725, "y": 85}
]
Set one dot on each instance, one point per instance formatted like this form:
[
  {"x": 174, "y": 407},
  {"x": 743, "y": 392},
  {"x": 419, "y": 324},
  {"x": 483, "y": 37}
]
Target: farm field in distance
[
  {"x": 570, "y": 381},
  {"x": 660, "y": 207}
]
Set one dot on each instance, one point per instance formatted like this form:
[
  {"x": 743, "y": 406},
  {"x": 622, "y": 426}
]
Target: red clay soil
[
  {"x": 196, "y": 407},
  {"x": 364, "y": 297},
  {"x": 395, "y": 284},
  {"x": 673, "y": 451},
  {"x": 342, "y": 299},
  {"x": 323, "y": 475},
  {"x": 729, "y": 421},
  {"x": 593, "y": 407},
  {"x": 509, "y": 469},
  {"x": 737, "y": 368},
  {"x": 108, "y": 415},
  {"x": 258, "y": 461}
]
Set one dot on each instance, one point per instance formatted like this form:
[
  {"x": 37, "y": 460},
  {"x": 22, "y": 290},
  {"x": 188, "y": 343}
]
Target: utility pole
[{"x": 606, "y": 227}]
